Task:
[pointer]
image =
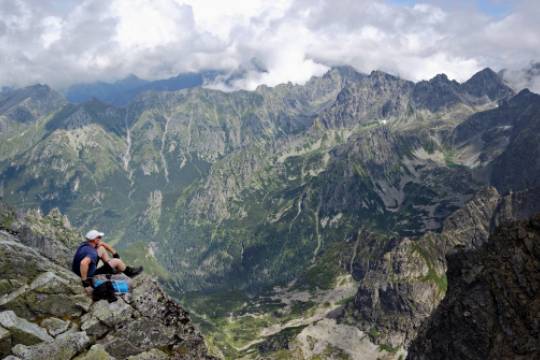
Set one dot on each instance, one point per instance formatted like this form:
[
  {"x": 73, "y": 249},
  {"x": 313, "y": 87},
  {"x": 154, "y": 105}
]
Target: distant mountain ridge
[{"x": 121, "y": 92}]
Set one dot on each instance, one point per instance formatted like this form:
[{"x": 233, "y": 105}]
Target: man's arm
[
  {"x": 86, "y": 282},
  {"x": 108, "y": 247},
  {"x": 85, "y": 264}
]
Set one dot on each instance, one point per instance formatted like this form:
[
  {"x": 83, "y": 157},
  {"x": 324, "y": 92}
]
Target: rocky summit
[{"x": 45, "y": 314}]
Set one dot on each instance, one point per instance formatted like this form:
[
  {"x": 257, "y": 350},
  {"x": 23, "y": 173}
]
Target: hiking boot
[{"x": 132, "y": 272}]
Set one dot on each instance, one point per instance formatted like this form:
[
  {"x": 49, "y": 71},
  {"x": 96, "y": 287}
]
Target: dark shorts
[{"x": 105, "y": 269}]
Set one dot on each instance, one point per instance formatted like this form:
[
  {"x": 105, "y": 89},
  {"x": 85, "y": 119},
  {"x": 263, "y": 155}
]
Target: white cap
[{"x": 92, "y": 234}]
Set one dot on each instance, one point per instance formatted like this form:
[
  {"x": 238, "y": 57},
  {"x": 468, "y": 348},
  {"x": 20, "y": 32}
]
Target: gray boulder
[
  {"x": 55, "y": 326},
  {"x": 65, "y": 346},
  {"x": 93, "y": 326},
  {"x": 111, "y": 314},
  {"x": 96, "y": 352},
  {"x": 23, "y": 331}
]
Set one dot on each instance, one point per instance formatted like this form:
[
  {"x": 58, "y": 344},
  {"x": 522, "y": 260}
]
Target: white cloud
[
  {"x": 77, "y": 41},
  {"x": 526, "y": 77},
  {"x": 52, "y": 30},
  {"x": 149, "y": 24}
]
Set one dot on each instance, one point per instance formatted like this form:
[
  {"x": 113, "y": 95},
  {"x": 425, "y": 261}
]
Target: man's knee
[
  {"x": 117, "y": 264},
  {"x": 102, "y": 253}
]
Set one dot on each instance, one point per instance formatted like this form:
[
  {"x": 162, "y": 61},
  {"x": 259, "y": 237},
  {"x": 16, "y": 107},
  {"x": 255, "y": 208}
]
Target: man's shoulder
[{"x": 86, "y": 249}]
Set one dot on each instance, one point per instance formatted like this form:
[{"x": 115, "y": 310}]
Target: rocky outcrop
[
  {"x": 51, "y": 235},
  {"x": 145, "y": 321},
  {"x": 44, "y": 312},
  {"x": 22, "y": 330},
  {"x": 492, "y": 307},
  {"x": 400, "y": 291},
  {"x": 368, "y": 99}
]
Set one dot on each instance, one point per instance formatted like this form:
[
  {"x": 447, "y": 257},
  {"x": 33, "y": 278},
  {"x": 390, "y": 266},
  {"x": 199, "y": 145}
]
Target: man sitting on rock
[{"x": 88, "y": 254}]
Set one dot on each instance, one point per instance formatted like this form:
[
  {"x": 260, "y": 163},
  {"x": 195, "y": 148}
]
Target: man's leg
[{"x": 117, "y": 265}]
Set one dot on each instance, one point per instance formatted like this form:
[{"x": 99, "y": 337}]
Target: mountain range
[
  {"x": 121, "y": 92},
  {"x": 243, "y": 202}
]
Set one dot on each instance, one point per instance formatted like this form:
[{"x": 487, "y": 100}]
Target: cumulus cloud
[
  {"x": 528, "y": 77},
  {"x": 290, "y": 40}
]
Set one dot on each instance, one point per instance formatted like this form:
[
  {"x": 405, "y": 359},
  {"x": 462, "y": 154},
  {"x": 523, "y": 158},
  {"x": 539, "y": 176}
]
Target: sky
[{"x": 62, "y": 42}]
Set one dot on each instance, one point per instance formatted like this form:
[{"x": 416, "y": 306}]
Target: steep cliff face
[
  {"x": 400, "y": 291},
  {"x": 44, "y": 312},
  {"x": 493, "y": 301}
]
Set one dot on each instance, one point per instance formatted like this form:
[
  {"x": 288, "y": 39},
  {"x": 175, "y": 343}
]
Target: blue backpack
[
  {"x": 120, "y": 286},
  {"x": 119, "y": 282}
]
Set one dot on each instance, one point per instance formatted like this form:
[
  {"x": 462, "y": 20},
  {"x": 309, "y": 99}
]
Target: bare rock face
[
  {"x": 49, "y": 234},
  {"x": 402, "y": 289},
  {"x": 44, "y": 312},
  {"x": 400, "y": 292},
  {"x": 492, "y": 307},
  {"x": 148, "y": 320}
]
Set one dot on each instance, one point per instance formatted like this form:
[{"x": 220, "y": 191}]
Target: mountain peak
[
  {"x": 43, "y": 87},
  {"x": 132, "y": 77},
  {"x": 382, "y": 76},
  {"x": 437, "y": 93},
  {"x": 131, "y": 80},
  {"x": 31, "y": 102},
  {"x": 487, "y": 83},
  {"x": 524, "y": 97},
  {"x": 440, "y": 78},
  {"x": 345, "y": 72},
  {"x": 524, "y": 92},
  {"x": 484, "y": 76},
  {"x": 486, "y": 72},
  {"x": 378, "y": 73},
  {"x": 344, "y": 69}
]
